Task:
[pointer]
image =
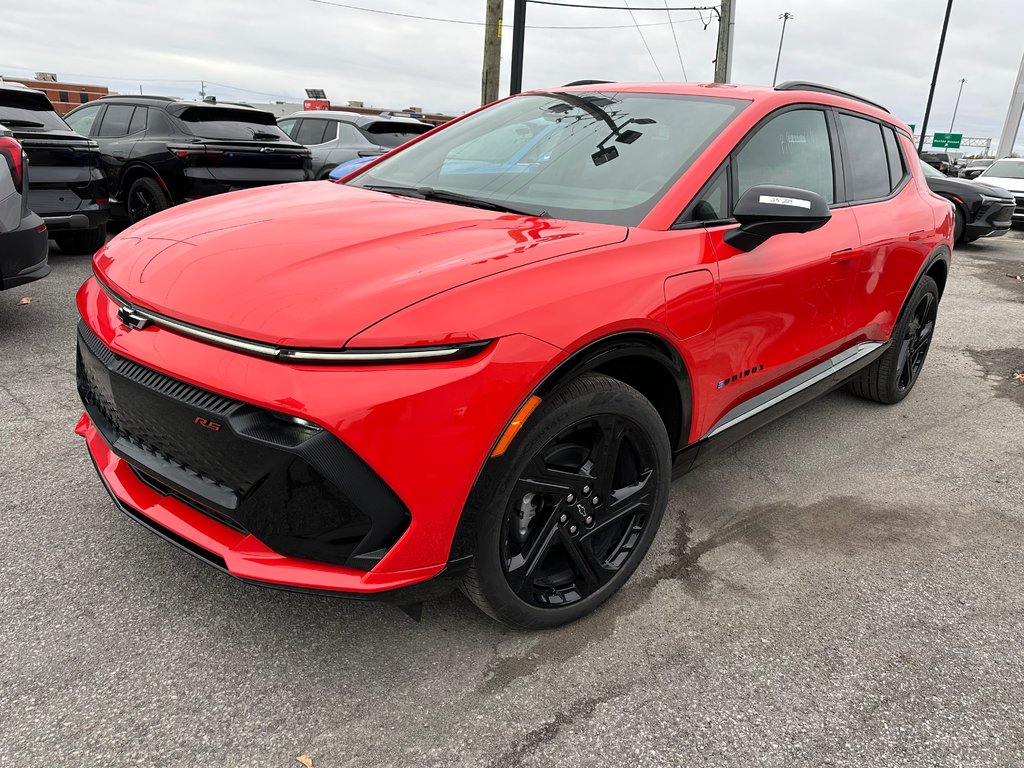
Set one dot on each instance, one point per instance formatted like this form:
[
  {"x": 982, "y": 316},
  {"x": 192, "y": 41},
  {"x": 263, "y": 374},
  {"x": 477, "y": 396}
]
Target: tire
[
  {"x": 145, "y": 197},
  {"x": 82, "y": 241},
  {"x": 554, "y": 541},
  {"x": 891, "y": 377}
]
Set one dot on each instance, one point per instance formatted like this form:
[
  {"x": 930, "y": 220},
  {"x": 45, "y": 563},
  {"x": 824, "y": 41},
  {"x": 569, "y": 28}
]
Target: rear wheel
[
  {"x": 890, "y": 378},
  {"x": 82, "y": 241},
  {"x": 145, "y": 197},
  {"x": 569, "y": 512}
]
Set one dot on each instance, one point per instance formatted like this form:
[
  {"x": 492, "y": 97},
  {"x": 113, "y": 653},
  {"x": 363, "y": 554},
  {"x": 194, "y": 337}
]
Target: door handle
[{"x": 840, "y": 256}]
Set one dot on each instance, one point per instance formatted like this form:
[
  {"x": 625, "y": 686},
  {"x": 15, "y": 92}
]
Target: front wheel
[{"x": 566, "y": 516}]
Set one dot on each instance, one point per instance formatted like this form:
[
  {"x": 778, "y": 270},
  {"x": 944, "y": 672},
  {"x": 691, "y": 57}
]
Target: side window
[
  {"x": 82, "y": 121},
  {"x": 330, "y": 130},
  {"x": 311, "y": 132},
  {"x": 116, "y": 120},
  {"x": 867, "y": 172},
  {"x": 138, "y": 123},
  {"x": 350, "y": 135},
  {"x": 289, "y": 126},
  {"x": 793, "y": 150},
  {"x": 892, "y": 151},
  {"x": 712, "y": 204}
]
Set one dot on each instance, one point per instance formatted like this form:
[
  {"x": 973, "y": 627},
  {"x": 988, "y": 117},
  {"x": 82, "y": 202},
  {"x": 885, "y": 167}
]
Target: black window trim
[
  {"x": 838, "y": 178},
  {"x": 846, "y": 154}
]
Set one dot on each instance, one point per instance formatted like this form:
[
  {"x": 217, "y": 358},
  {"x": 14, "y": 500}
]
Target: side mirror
[{"x": 768, "y": 210}]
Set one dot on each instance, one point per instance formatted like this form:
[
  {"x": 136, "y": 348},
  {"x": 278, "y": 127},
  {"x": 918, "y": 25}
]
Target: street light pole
[
  {"x": 785, "y": 17},
  {"x": 518, "y": 33},
  {"x": 935, "y": 76},
  {"x": 955, "y": 108}
]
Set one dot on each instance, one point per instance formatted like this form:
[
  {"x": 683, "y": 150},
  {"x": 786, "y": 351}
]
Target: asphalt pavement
[{"x": 843, "y": 588}]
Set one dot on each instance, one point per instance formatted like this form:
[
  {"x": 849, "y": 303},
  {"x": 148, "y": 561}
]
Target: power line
[
  {"x": 624, "y": 7},
  {"x": 675, "y": 39},
  {"x": 469, "y": 22},
  {"x": 649, "y": 52}
]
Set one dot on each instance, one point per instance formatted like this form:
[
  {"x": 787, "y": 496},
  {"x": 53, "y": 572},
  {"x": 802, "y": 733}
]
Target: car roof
[
  {"x": 786, "y": 93},
  {"x": 354, "y": 117}
]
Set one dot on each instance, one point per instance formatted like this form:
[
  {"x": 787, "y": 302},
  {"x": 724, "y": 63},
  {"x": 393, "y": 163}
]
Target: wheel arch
[
  {"x": 136, "y": 170},
  {"x": 644, "y": 360}
]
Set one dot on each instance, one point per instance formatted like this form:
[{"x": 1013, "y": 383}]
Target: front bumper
[
  {"x": 423, "y": 430},
  {"x": 991, "y": 220}
]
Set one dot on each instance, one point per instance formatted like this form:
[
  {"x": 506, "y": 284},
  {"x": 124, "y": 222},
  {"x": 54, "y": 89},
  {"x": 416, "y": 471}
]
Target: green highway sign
[
  {"x": 913, "y": 128},
  {"x": 947, "y": 140}
]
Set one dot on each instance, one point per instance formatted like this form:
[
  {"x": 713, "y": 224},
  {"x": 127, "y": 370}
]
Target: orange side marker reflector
[{"x": 517, "y": 423}]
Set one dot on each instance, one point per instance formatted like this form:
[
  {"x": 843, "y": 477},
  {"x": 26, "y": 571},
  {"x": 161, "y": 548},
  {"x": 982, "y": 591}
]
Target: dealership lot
[{"x": 842, "y": 588}]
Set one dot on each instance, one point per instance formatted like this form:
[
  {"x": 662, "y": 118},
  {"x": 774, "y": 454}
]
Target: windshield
[
  {"x": 930, "y": 171},
  {"x": 979, "y": 164},
  {"x": 29, "y": 110},
  {"x": 392, "y": 134},
  {"x": 221, "y": 123},
  {"x": 1007, "y": 169},
  {"x": 600, "y": 157}
]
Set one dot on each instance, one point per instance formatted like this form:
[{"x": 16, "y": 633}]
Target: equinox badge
[{"x": 131, "y": 319}]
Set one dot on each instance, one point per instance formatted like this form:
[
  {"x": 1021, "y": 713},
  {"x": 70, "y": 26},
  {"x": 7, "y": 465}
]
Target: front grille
[{"x": 297, "y": 488}]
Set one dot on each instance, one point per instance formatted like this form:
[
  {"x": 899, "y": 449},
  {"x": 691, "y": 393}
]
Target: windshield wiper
[
  {"x": 446, "y": 196},
  {"x": 21, "y": 123}
]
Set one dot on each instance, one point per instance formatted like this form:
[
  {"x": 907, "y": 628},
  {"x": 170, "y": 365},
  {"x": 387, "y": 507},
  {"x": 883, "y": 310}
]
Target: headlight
[{"x": 989, "y": 200}]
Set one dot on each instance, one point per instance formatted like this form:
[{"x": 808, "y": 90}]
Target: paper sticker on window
[{"x": 794, "y": 202}]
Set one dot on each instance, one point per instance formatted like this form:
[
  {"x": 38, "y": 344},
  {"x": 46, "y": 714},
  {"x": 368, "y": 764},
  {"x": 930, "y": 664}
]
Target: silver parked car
[{"x": 336, "y": 137}]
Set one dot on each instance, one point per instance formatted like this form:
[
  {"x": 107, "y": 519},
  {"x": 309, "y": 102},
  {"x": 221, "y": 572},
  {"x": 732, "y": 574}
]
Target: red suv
[{"x": 480, "y": 359}]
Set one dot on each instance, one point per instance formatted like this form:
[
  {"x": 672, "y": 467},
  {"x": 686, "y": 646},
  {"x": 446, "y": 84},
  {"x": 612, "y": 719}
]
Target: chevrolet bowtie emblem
[{"x": 131, "y": 319}]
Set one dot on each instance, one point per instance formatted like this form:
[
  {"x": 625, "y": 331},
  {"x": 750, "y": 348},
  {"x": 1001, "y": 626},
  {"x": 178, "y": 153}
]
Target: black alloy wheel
[
  {"x": 890, "y": 378},
  {"x": 574, "y": 508},
  {"x": 145, "y": 197},
  {"x": 577, "y": 512},
  {"x": 916, "y": 340}
]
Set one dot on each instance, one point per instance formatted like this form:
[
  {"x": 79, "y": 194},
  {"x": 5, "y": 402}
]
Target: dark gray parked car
[
  {"x": 336, "y": 137},
  {"x": 23, "y": 249}
]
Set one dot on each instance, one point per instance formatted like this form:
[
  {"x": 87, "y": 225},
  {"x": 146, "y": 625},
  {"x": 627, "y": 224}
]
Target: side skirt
[{"x": 776, "y": 402}]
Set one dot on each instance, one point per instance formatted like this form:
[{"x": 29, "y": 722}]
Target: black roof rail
[
  {"x": 799, "y": 85},
  {"x": 135, "y": 96},
  {"x": 587, "y": 82}
]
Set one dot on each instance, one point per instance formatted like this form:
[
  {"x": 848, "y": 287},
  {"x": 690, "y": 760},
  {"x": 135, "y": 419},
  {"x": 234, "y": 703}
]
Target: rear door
[
  {"x": 783, "y": 305},
  {"x": 896, "y": 225}
]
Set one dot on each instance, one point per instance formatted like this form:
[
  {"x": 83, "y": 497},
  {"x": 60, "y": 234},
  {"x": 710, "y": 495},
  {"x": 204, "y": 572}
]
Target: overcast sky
[{"x": 260, "y": 51}]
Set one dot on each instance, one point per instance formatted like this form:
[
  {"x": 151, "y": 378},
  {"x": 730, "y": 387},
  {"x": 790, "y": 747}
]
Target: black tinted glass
[
  {"x": 892, "y": 151},
  {"x": 311, "y": 131},
  {"x": 138, "y": 123},
  {"x": 29, "y": 110},
  {"x": 116, "y": 120},
  {"x": 713, "y": 202},
  {"x": 792, "y": 150},
  {"x": 393, "y": 134},
  {"x": 867, "y": 172},
  {"x": 224, "y": 123}
]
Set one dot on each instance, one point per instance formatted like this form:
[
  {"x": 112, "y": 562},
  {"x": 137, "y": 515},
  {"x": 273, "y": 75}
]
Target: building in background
[{"x": 63, "y": 96}]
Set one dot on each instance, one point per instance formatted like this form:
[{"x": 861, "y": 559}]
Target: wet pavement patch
[{"x": 1005, "y": 369}]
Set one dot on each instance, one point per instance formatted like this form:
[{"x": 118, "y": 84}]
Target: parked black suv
[
  {"x": 68, "y": 188},
  {"x": 158, "y": 152}
]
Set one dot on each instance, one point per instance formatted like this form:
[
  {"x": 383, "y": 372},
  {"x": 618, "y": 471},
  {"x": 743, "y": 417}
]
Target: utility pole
[
  {"x": 518, "y": 32},
  {"x": 202, "y": 89},
  {"x": 785, "y": 17},
  {"x": 723, "y": 57},
  {"x": 1013, "y": 115},
  {"x": 491, "y": 71},
  {"x": 935, "y": 76},
  {"x": 957, "y": 106}
]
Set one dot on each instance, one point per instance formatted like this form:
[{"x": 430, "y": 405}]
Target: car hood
[
  {"x": 1011, "y": 185},
  {"x": 313, "y": 264}
]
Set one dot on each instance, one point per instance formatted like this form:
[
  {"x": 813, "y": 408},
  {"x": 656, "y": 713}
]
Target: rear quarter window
[{"x": 867, "y": 167}]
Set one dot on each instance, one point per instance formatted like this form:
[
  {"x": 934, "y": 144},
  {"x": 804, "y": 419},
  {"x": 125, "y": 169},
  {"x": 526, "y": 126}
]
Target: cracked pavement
[{"x": 842, "y": 588}]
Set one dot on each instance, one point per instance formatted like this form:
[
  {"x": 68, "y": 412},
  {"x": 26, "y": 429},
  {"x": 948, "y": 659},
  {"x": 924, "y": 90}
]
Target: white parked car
[{"x": 1007, "y": 173}]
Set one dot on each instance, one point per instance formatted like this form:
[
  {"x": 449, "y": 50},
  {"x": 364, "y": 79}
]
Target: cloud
[{"x": 882, "y": 49}]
